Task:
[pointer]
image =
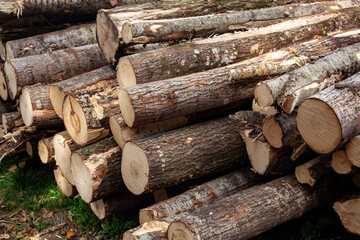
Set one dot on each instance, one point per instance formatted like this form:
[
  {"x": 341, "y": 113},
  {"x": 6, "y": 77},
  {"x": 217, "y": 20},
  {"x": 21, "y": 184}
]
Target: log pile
[{"x": 147, "y": 101}]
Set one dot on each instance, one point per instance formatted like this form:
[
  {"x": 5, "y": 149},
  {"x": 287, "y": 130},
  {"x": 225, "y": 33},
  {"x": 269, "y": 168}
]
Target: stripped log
[
  {"x": 96, "y": 170},
  {"x": 340, "y": 162},
  {"x": 3, "y": 83},
  {"x": 169, "y": 158},
  {"x": 310, "y": 172},
  {"x": 54, "y": 67},
  {"x": 255, "y": 210},
  {"x": 348, "y": 210},
  {"x": 353, "y": 152},
  {"x": 46, "y": 150},
  {"x": 85, "y": 81},
  {"x": 326, "y": 121},
  {"x": 35, "y": 107},
  {"x": 201, "y": 195},
  {"x": 65, "y": 186},
  {"x": 206, "y": 54},
  {"x": 11, "y": 120}
]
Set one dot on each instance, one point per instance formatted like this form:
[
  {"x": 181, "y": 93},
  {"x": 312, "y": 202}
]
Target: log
[
  {"x": 65, "y": 186},
  {"x": 54, "y": 67},
  {"x": 201, "y": 195},
  {"x": 7, "y": 107},
  {"x": 206, "y": 54},
  {"x": 46, "y": 150},
  {"x": 75, "y": 36},
  {"x": 348, "y": 211},
  {"x": 249, "y": 118},
  {"x": 96, "y": 170},
  {"x": 154, "y": 230},
  {"x": 326, "y": 121},
  {"x": 170, "y": 158},
  {"x": 3, "y": 84},
  {"x": 31, "y": 147},
  {"x": 255, "y": 210},
  {"x": 64, "y": 145},
  {"x": 340, "y": 162},
  {"x": 35, "y": 107},
  {"x": 268, "y": 110},
  {"x": 88, "y": 80},
  {"x": 352, "y": 151},
  {"x": 310, "y": 172},
  {"x": 90, "y": 109},
  {"x": 11, "y": 120}
]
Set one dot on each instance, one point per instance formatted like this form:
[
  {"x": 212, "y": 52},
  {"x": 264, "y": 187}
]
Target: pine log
[
  {"x": 263, "y": 157},
  {"x": 35, "y": 107},
  {"x": 54, "y": 67},
  {"x": 170, "y": 158},
  {"x": 90, "y": 109},
  {"x": 206, "y": 54},
  {"x": 255, "y": 210},
  {"x": 11, "y": 120},
  {"x": 65, "y": 186},
  {"x": 310, "y": 172},
  {"x": 352, "y": 151},
  {"x": 348, "y": 210},
  {"x": 85, "y": 81},
  {"x": 75, "y": 36},
  {"x": 46, "y": 150},
  {"x": 327, "y": 120},
  {"x": 64, "y": 145},
  {"x": 96, "y": 170},
  {"x": 280, "y": 131},
  {"x": 340, "y": 162},
  {"x": 3, "y": 83},
  {"x": 31, "y": 147},
  {"x": 201, "y": 195}
]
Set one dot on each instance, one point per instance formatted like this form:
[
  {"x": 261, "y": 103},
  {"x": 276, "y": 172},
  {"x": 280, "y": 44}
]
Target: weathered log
[
  {"x": 85, "y": 81},
  {"x": 201, "y": 195},
  {"x": 75, "y": 36},
  {"x": 90, "y": 109},
  {"x": 348, "y": 211},
  {"x": 206, "y": 54},
  {"x": 64, "y": 145},
  {"x": 46, "y": 150},
  {"x": 310, "y": 172},
  {"x": 352, "y": 151},
  {"x": 49, "y": 68},
  {"x": 11, "y": 120},
  {"x": 64, "y": 185},
  {"x": 255, "y": 210},
  {"x": 340, "y": 162},
  {"x": 3, "y": 84},
  {"x": 169, "y": 158},
  {"x": 35, "y": 107},
  {"x": 326, "y": 121},
  {"x": 96, "y": 170}
]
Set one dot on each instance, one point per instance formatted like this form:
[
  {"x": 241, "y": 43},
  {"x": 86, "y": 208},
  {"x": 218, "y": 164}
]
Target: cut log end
[
  {"x": 126, "y": 33},
  {"x": 117, "y": 132},
  {"x": 319, "y": 126},
  {"x": 29, "y": 148},
  {"x": 82, "y": 178},
  {"x": 126, "y": 108},
  {"x": 353, "y": 151},
  {"x": 2, "y": 51},
  {"x": 57, "y": 99},
  {"x": 348, "y": 213},
  {"x": 43, "y": 152},
  {"x": 147, "y": 215},
  {"x": 108, "y": 43},
  {"x": 303, "y": 175},
  {"x": 179, "y": 231},
  {"x": 9, "y": 52},
  {"x": 12, "y": 82},
  {"x": 134, "y": 168},
  {"x": 63, "y": 157},
  {"x": 75, "y": 120},
  {"x": 125, "y": 73},
  {"x": 98, "y": 208},
  {"x": 263, "y": 95},
  {"x": 288, "y": 104},
  {"x": 26, "y": 108},
  {"x": 65, "y": 186},
  {"x": 3, "y": 87},
  {"x": 340, "y": 162},
  {"x": 273, "y": 132}
]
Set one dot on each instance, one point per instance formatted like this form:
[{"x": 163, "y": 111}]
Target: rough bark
[
  {"x": 46, "y": 150},
  {"x": 82, "y": 82},
  {"x": 310, "y": 172},
  {"x": 340, "y": 162},
  {"x": 200, "y": 55},
  {"x": 201, "y": 195},
  {"x": 11, "y": 120},
  {"x": 96, "y": 170},
  {"x": 328, "y": 119},
  {"x": 54, "y": 67},
  {"x": 170, "y": 158},
  {"x": 348, "y": 211},
  {"x": 75, "y": 36},
  {"x": 64, "y": 185},
  {"x": 352, "y": 151},
  {"x": 248, "y": 117},
  {"x": 255, "y": 210}
]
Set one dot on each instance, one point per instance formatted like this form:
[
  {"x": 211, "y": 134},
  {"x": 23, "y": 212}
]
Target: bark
[
  {"x": 204, "y": 54},
  {"x": 65, "y": 186},
  {"x": 11, "y": 120},
  {"x": 75, "y": 36},
  {"x": 49, "y": 68},
  {"x": 326, "y": 121},
  {"x": 348, "y": 211},
  {"x": 173, "y": 157},
  {"x": 352, "y": 151},
  {"x": 340, "y": 162},
  {"x": 201, "y": 195},
  {"x": 46, "y": 150},
  {"x": 255, "y": 210},
  {"x": 6, "y": 108},
  {"x": 248, "y": 117},
  {"x": 96, "y": 170},
  {"x": 310, "y": 172},
  {"x": 82, "y": 82},
  {"x": 36, "y": 109}
]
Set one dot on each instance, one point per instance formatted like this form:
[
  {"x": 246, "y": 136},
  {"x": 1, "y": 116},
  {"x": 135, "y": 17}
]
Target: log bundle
[{"x": 158, "y": 95}]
